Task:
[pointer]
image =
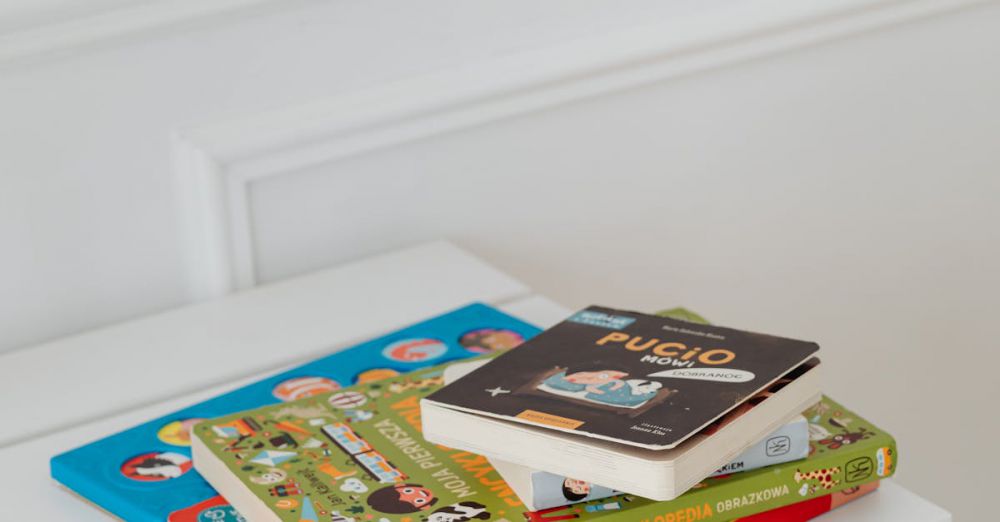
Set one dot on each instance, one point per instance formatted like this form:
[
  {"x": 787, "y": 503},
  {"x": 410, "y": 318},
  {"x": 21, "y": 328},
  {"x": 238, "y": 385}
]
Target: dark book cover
[{"x": 629, "y": 377}]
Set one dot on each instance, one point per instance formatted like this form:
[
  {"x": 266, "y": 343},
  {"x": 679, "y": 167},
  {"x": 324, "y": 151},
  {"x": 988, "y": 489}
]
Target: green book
[
  {"x": 357, "y": 454},
  {"x": 846, "y": 452}
]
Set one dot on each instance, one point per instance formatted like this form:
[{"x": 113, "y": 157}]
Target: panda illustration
[{"x": 460, "y": 512}]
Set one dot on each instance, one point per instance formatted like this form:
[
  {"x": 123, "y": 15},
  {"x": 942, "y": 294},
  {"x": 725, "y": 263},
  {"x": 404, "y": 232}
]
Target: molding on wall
[
  {"x": 65, "y": 34},
  {"x": 217, "y": 164}
]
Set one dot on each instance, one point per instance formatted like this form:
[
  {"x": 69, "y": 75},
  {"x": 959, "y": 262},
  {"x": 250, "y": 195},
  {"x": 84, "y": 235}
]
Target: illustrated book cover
[
  {"x": 627, "y": 377},
  {"x": 145, "y": 473},
  {"x": 348, "y": 456}
]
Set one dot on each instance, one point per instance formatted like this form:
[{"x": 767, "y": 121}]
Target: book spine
[
  {"x": 750, "y": 493},
  {"x": 781, "y": 485},
  {"x": 812, "y": 508},
  {"x": 787, "y": 443}
]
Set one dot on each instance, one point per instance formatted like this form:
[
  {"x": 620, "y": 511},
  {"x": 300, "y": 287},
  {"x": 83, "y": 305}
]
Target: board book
[
  {"x": 145, "y": 473},
  {"x": 835, "y": 472},
  {"x": 639, "y": 403},
  {"x": 541, "y": 489},
  {"x": 627, "y": 377}
]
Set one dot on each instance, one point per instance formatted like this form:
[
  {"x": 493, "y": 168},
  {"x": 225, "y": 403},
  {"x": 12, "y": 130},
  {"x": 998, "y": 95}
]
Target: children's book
[
  {"x": 627, "y": 377},
  {"x": 145, "y": 473},
  {"x": 357, "y": 454},
  {"x": 812, "y": 508},
  {"x": 541, "y": 489},
  {"x": 789, "y": 442},
  {"x": 848, "y": 455},
  {"x": 647, "y": 404}
]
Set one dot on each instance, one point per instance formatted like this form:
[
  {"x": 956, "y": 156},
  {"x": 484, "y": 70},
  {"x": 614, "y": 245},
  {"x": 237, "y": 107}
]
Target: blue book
[{"x": 145, "y": 473}]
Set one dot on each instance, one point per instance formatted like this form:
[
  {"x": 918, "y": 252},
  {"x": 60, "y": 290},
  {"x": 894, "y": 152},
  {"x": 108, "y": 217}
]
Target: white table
[{"x": 77, "y": 382}]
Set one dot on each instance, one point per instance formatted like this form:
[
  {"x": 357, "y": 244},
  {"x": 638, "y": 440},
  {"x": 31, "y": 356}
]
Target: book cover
[
  {"x": 145, "y": 473},
  {"x": 788, "y": 443},
  {"x": 846, "y": 452},
  {"x": 638, "y": 379},
  {"x": 347, "y": 456}
]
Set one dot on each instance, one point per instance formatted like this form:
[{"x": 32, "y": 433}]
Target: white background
[{"x": 840, "y": 190}]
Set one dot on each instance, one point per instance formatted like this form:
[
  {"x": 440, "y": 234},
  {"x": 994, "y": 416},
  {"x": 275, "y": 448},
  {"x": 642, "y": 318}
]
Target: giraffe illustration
[{"x": 824, "y": 478}]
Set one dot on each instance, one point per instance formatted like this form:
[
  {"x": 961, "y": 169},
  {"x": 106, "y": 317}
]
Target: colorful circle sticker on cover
[
  {"x": 488, "y": 340},
  {"x": 224, "y": 513},
  {"x": 415, "y": 350},
  {"x": 375, "y": 374},
  {"x": 347, "y": 400},
  {"x": 302, "y": 387},
  {"x": 178, "y": 432},
  {"x": 156, "y": 466}
]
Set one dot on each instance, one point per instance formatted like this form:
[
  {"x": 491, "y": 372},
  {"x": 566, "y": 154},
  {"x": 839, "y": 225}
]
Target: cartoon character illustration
[
  {"x": 283, "y": 490},
  {"x": 846, "y": 438},
  {"x": 302, "y": 387},
  {"x": 401, "y": 498},
  {"x": 595, "y": 381},
  {"x": 156, "y": 466},
  {"x": 268, "y": 476},
  {"x": 460, "y": 512},
  {"x": 487, "y": 340},
  {"x": 575, "y": 490},
  {"x": 178, "y": 433},
  {"x": 883, "y": 458},
  {"x": 602, "y": 386},
  {"x": 413, "y": 350},
  {"x": 824, "y": 478}
]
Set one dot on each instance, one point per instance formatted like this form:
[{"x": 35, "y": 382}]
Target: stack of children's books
[{"x": 476, "y": 415}]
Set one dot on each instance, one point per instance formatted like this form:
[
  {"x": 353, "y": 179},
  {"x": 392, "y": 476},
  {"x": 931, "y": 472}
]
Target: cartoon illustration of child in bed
[{"x": 601, "y": 386}]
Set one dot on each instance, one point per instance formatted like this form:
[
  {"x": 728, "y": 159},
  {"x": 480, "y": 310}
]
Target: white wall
[
  {"x": 88, "y": 212},
  {"x": 842, "y": 191}
]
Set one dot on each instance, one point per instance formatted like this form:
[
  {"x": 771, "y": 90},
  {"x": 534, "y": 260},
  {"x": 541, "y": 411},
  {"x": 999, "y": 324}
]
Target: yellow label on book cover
[{"x": 549, "y": 420}]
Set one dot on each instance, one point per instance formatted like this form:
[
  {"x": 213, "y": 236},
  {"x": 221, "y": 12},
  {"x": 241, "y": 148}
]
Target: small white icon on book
[{"x": 497, "y": 391}]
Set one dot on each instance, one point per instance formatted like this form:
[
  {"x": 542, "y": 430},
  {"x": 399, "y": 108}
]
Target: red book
[{"x": 812, "y": 508}]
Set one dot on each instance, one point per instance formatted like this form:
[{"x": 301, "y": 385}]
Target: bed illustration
[{"x": 603, "y": 389}]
